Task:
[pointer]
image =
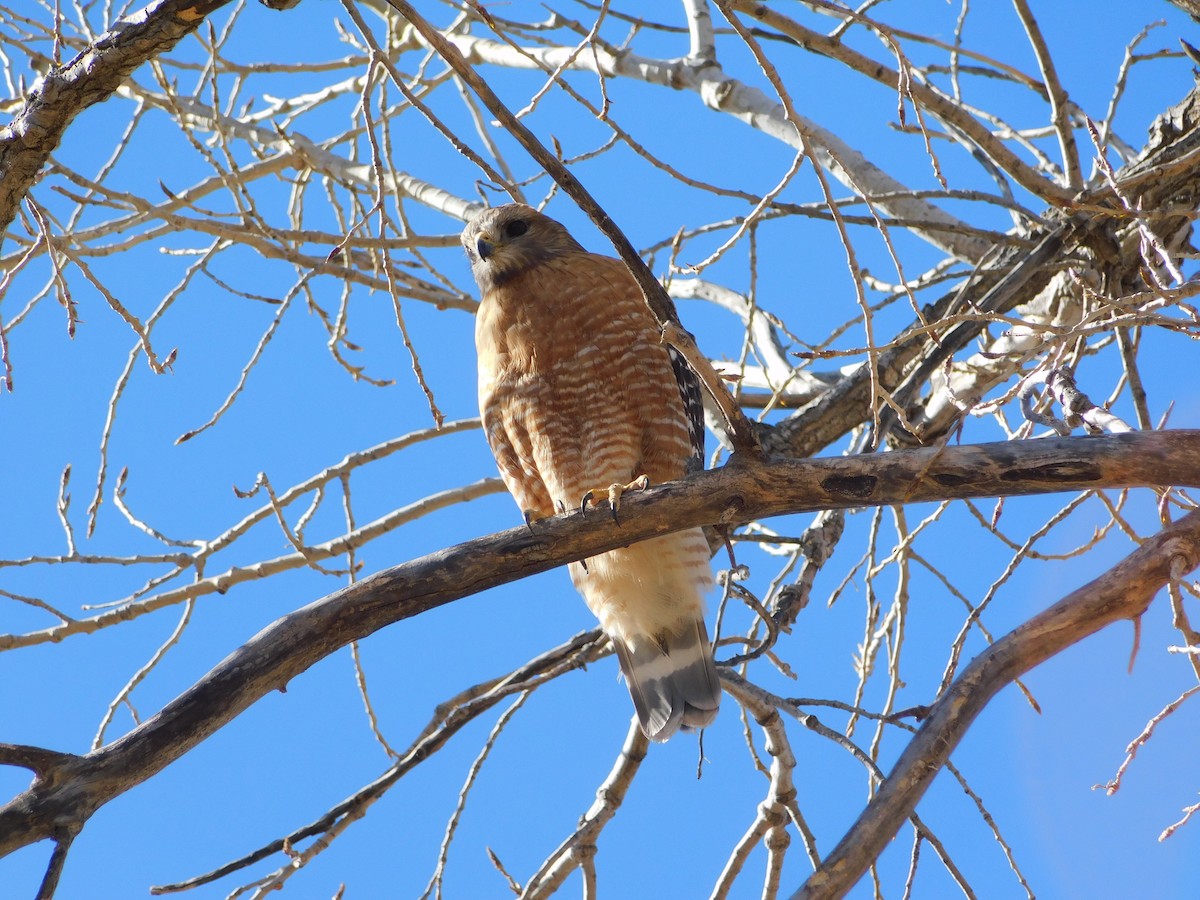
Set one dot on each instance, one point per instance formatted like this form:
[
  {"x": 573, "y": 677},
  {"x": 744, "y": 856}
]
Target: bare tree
[{"x": 258, "y": 261}]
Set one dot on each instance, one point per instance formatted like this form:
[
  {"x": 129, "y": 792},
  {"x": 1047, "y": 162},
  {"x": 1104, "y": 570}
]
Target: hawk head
[{"x": 506, "y": 241}]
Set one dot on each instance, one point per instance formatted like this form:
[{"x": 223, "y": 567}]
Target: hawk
[{"x": 580, "y": 398}]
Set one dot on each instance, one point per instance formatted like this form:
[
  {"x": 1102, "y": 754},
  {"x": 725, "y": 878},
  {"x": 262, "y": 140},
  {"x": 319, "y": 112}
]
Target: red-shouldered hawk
[{"x": 579, "y": 397}]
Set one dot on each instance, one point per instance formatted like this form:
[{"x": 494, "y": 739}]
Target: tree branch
[
  {"x": 732, "y": 97},
  {"x": 581, "y": 845},
  {"x": 67, "y": 794},
  {"x": 933, "y": 100},
  {"x": 91, "y": 77},
  {"x": 1123, "y": 592}
]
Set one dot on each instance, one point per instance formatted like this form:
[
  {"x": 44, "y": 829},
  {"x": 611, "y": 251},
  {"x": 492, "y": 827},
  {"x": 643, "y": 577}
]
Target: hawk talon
[
  {"x": 616, "y": 490},
  {"x": 587, "y": 498}
]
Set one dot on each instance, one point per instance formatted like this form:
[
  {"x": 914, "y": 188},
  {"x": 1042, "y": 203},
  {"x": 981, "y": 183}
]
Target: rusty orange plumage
[{"x": 578, "y": 394}]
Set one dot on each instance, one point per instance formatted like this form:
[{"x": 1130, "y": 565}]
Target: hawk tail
[{"x": 672, "y": 680}]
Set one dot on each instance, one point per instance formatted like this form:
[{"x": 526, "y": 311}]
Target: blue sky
[{"x": 293, "y": 755}]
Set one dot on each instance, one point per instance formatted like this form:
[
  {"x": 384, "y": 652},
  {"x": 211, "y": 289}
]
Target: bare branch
[
  {"x": 91, "y": 77},
  {"x": 579, "y": 849},
  {"x": 1122, "y": 592},
  {"x": 736, "y": 493}
]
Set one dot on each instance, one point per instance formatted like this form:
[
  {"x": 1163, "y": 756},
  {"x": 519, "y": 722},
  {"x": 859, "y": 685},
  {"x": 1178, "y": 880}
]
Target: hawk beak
[{"x": 484, "y": 247}]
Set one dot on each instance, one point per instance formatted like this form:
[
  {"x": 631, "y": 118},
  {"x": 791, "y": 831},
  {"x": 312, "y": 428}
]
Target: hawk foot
[{"x": 614, "y": 495}]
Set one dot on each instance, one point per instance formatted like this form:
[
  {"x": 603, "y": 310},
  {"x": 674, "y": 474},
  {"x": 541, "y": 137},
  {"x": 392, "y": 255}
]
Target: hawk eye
[{"x": 515, "y": 228}]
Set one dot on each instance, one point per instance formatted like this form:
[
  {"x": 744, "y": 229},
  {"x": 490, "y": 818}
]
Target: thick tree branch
[
  {"x": 1157, "y": 191},
  {"x": 1015, "y": 277},
  {"x": 66, "y": 794},
  {"x": 1123, "y": 592}
]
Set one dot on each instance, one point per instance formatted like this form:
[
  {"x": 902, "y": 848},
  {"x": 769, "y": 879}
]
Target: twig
[
  {"x": 581, "y": 846},
  {"x": 140, "y": 675},
  {"x": 435, "y": 882},
  {"x": 1188, "y": 812},
  {"x": 1072, "y": 176},
  {"x": 1114, "y": 785}
]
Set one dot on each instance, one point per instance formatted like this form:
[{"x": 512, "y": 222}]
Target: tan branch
[
  {"x": 773, "y": 814},
  {"x": 132, "y": 608},
  {"x": 732, "y": 97},
  {"x": 448, "y": 719},
  {"x": 1059, "y": 102},
  {"x": 739, "y": 492}
]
